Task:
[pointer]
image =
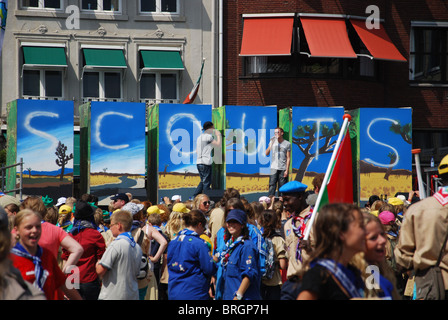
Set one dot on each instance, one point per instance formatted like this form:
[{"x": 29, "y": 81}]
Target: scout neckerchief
[
  {"x": 230, "y": 246},
  {"x": 79, "y": 225},
  {"x": 187, "y": 232},
  {"x": 299, "y": 231},
  {"x": 340, "y": 275},
  {"x": 20, "y": 251},
  {"x": 442, "y": 196},
  {"x": 128, "y": 237}
]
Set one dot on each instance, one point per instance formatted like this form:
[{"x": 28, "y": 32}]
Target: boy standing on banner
[
  {"x": 120, "y": 264},
  {"x": 423, "y": 235},
  {"x": 281, "y": 157},
  {"x": 294, "y": 199},
  {"x": 204, "y": 147}
]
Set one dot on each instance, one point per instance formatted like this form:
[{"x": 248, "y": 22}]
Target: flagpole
[{"x": 347, "y": 118}]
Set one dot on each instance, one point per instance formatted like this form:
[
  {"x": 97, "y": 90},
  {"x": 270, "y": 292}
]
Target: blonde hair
[
  {"x": 123, "y": 217},
  {"x": 385, "y": 270},
  {"x": 24, "y": 213},
  {"x": 174, "y": 224}
]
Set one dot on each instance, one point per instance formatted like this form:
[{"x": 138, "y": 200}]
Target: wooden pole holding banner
[
  {"x": 347, "y": 118},
  {"x": 421, "y": 188}
]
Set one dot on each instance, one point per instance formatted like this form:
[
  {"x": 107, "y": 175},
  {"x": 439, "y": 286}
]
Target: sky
[
  {"x": 256, "y": 126},
  {"x": 302, "y": 116},
  {"x": 117, "y": 137},
  {"x": 179, "y": 127},
  {"x": 40, "y": 126}
]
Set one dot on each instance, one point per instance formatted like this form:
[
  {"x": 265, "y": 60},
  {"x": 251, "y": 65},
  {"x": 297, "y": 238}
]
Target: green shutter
[
  {"x": 111, "y": 58},
  {"x": 162, "y": 60},
  {"x": 44, "y": 56}
]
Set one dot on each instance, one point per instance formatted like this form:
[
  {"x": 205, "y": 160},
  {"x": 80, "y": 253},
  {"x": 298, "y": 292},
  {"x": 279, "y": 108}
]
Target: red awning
[
  {"x": 267, "y": 36},
  {"x": 377, "y": 41},
  {"x": 327, "y": 37}
]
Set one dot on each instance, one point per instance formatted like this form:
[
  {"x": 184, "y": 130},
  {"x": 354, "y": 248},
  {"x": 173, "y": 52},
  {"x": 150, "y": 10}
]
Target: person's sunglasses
[{"x": 206, "y": 203}]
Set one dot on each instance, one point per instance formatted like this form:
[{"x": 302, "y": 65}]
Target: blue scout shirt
[
  {"x": 242, "y": 262},
  {"x": 259, "y": 244},
  {"x": 190, "y": 267}
]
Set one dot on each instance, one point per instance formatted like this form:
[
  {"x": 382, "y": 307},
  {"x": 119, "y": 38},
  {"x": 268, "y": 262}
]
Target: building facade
[
  {"x": 108, "y": 50},
  {"x": 313, "y": 71}
]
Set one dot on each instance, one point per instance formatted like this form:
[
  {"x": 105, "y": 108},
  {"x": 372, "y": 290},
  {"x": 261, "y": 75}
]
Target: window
[
  {"x": 159, "y": 87},
  {"x": 101, "y": 5},
  {"x": 42, "y": 83},
  {"x": 429, "y": 55},
  {"x": 102, "y": 85},
  {"x": 103, "y": 68},
  {"x": 159, "y": 6},
  {"x": 42, "y": 4}
]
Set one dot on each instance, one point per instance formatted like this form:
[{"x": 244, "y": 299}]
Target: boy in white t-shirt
[{"x": 120, "y": 264}]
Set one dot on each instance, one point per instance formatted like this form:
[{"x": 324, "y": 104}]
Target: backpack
[
  {"x": 270, "y": 259},
  {"x": 144, "y": 266}
]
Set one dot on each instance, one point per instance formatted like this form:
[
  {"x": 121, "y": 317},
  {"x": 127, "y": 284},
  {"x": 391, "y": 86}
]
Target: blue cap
[
  {"x": 238, "y": 215},
  {"x": 292, "y": 187}
]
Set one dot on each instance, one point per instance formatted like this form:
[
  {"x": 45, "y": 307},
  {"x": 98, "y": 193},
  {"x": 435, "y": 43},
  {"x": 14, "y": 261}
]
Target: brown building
[{"x": 319, "y": 69}]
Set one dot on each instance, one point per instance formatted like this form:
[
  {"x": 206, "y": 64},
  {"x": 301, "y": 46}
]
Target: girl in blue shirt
[
  {"x": 190, "y": 265},
  {"x": 239, "y": 261}
]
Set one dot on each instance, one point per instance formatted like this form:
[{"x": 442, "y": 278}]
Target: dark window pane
[
  {"x": 91, "y": 83},
  {"x": 31, "y": 83},
  {"x": 169, "y": 6},
  {"x": 148, "y": 86},
  {"x": 30, "y": 3},
  {"x": 56, "y": 4},
  {"x": 148, "y": 5},
  {"x": 89, "y": 4},
  {"x": 111, "y": 5},
  {"x": 112, "y": 87},
  {"x": 169, "y": 86},
  {"x": 53, "y": 83}
]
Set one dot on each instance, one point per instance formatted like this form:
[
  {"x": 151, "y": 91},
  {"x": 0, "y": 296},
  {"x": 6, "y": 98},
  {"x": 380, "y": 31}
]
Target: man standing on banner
[
  {"x": 280, "y": 160},
  {"x": 204, "y": 147},
  {"x": 423, "y": 238},
  {"x": 294, "y": 199}
]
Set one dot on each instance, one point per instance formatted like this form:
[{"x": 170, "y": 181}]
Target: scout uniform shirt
[
  {"x": 422, "y": 233},
  {"x": 295, "y": 266}
]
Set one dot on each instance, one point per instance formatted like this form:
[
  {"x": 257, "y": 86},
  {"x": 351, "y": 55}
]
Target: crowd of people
[{"x": 229, "y": 250}]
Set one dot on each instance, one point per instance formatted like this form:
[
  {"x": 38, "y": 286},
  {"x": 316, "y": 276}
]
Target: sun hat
[
  {"x": 132, "y": 207},
  {"x": 180, "y": 207},
  {"x": 237, "y": 215},
  {"x": 264, "y": 199},
  {"x": 176, "y": 197},
  {"x": 154, "y": 209},
  {"x": 395, "y": 201},
  {"x": 386, "y": 217},
  {"x": 65, "y": 209},
  {"x": 61, "y": 201},
  {"x": 443, "y": 166}
]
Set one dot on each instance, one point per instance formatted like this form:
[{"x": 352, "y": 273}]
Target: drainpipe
[{"x": 220, "y": 53}]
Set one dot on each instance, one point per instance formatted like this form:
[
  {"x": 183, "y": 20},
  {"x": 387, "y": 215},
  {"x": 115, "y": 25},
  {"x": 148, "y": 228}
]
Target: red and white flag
[{"x": 194, "y": 92}]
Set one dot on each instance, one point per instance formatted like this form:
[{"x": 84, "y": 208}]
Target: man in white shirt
[
  {"x": 281, "y": 157},
  {"x": 204, "y": 147}
]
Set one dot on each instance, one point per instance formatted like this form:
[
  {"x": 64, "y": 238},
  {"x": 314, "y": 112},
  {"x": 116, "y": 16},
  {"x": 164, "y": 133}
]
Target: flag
[
  {"x": 339, "y": 187},
  {"x": 3, "y": 15},
  {"x": 194, "y": 92}
]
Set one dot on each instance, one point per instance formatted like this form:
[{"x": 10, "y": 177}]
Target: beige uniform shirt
[
  {"x": 295, "y": 267},
  {"x": 422, "y": 233},
  {"x": 215, "y": 222}
]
